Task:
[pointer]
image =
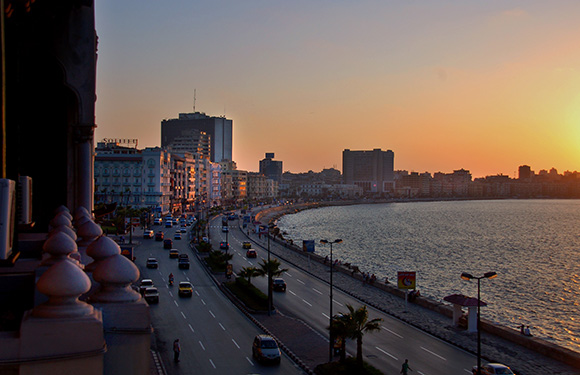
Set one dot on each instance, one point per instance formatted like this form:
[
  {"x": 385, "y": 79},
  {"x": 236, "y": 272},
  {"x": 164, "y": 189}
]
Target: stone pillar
[
  {"x": 62, "y": 335},
  {"x": 126, "y": 316}
]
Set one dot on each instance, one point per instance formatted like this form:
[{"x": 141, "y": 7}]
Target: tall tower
[{"x": 219, "y": 130}]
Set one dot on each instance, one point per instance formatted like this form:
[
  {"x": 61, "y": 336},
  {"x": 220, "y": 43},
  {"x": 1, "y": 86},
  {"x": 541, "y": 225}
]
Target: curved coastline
[{"x": 564, "y": 355}]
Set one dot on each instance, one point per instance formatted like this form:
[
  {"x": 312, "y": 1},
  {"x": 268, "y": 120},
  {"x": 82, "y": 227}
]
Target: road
[
  {"x": 309, "y": 298},
  {"x": 215, "y": 336}
]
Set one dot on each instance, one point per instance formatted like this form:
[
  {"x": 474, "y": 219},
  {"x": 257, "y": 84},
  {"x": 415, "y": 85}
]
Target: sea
[{"x": 533, "y": 246}]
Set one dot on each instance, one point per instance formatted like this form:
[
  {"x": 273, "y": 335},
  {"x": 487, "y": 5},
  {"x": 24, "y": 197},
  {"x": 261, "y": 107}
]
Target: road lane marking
[
  {"x": 435, "y": 354},
  {"x": 394, "y": 333},
  {"x": 224, "y": 328},
  {"x": 197, "y": 293},
  {"x": 190, "y": 327},
  {"x": 291, "y": 292},
  {"x": 174, "y": 301},
  {"x": 338, "y": 303},
  {"x": 211, "y": 313},
  {"x": 171, "y": 294},
  {"x": 317, "y": 291},
  {"x": 326, "y": 316},
  {"x": 182, "y": 314},
  {"x": 202, "y": 301},
  {"x": 422, "y": 373},
  {"x": 389, "y": 354},
  {"x": 235, "y": 343},
  {"x": 187, "y": 278},
  {"x": 251, "y": 363},
  {"x": 203, "y": 347},
  {"x": 468, "y": 371},
  {"x": 306, "y": 302},
  {"x": 210, "y": 361},
  {"x": 288, "y": 274},
  {"x": 300, "y": 281}
]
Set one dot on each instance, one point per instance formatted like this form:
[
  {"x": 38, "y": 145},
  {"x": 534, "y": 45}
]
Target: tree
[
  {"x": 358, "y": 325},
  {"x": 249, "y": 272},
  {"x": 339, "y": 328},
  {"x": 270, "y": 269}
]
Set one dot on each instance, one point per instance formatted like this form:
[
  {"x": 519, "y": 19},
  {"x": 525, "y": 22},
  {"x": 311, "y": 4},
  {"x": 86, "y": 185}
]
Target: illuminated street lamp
[
  {"x": 331, "y": 265},
  {"x": 467, "y": 276}
]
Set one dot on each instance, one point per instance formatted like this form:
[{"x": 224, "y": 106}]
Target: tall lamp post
[
  {"x": 467, "y": 276},
  {"x": 331, "y": 344},
  {"x": 269, "y": 272}
]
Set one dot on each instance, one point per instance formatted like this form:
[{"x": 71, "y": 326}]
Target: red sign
[{"x": 406, "y": 280}]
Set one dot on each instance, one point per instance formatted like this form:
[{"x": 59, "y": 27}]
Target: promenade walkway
[{"x": 494, "y": 349}]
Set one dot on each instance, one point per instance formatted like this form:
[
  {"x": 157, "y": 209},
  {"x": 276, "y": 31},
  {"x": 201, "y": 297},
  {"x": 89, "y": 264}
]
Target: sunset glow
[{"x": 485, "y": 86}]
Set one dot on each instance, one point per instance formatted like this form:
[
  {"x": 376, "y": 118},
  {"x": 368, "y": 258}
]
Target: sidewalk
[{"x": 494, "y": 349}]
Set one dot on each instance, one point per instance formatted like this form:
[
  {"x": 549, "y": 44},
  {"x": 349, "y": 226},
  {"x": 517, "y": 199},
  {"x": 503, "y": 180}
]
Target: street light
[
  {"x": 330, "y": 326},
  {"x": 270, "y": 226},
  {"x": 467, "y": 276}
]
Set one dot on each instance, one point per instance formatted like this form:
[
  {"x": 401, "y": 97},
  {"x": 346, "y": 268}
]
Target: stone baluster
[
  {"x": 62, "y": 327},
  {"x": 126, "y": 316},
  {"x": 101, "y": 249},
  {"x": 88, "y": 232}
]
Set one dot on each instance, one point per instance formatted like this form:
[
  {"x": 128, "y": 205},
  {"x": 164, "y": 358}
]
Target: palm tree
[
  {"x": 358, "y": 326},
  {"x": 249, "y": 272},
  {"x": 270, "y": 268},
  {"x": 339, "y": 328}
]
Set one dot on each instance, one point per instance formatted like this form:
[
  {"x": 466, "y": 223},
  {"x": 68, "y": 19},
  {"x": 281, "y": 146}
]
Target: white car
[{"x": 493, "y": 369}]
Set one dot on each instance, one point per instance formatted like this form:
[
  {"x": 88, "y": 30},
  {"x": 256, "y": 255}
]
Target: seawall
[{"x": 538, "y": 345}]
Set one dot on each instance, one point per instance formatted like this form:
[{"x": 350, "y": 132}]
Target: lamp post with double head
[
  {"x": 330, "y": 326},
  {"x": 467, "y": 276}
]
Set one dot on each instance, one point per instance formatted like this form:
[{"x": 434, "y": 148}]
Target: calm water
[{"x": 533, "y": 245}]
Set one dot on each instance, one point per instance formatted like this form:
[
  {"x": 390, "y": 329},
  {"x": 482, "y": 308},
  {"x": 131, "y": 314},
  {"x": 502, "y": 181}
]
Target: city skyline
[{"x": 482, "y": 86}]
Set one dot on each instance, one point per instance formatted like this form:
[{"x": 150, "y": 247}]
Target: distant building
[
  {"x": 271, "y": 168},
  {"x": 372, "y": 170},
  {"x": 189, "y": 128},
  {"x": 525, "y": 172}
]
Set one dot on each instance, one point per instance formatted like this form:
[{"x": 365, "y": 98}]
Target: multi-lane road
[{"x": 215, "y": 336}]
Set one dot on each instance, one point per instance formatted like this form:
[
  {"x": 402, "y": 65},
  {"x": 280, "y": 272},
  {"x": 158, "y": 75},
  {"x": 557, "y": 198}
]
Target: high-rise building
[
  {"x": 372, "y": 170},
  {"x": 271, "y": 168},
  {"x": 177, "y": 132}
]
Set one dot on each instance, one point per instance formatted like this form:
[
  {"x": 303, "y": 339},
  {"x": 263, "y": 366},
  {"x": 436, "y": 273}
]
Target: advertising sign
[
  {"x": 308, "y": 246},
  {"x": 406, "y": 280}
]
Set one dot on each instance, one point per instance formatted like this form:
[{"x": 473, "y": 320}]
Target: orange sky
[{"x": 485, "y": 86}]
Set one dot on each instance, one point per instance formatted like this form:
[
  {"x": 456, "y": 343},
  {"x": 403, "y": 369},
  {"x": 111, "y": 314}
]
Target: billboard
[
  {"x": 308, "y": 246},
  {"x": 406, "y": 280}
]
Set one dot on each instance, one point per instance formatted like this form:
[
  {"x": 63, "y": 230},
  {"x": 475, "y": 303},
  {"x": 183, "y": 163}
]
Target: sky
[{"x": 482, "y": 85}]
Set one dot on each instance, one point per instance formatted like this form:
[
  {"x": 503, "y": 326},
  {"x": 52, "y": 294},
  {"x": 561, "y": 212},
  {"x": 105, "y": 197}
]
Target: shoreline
[{"x": 513, "y": 336}]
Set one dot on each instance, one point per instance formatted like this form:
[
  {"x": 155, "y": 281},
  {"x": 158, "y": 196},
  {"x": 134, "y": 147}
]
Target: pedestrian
[
  {"x": 176, "y": 350},
  {"x": 522, "y": 331},
  {"x": 527, "y": 331},
  {"x": 405, "y": 369}
]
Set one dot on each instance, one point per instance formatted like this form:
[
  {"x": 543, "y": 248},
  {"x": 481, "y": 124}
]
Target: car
[
  {"x": 151, "y": 295},
  {"x": 157, "y": 221},
  {"x": 279, "y": 285},
  {"x": 246, "y": 245},
  {"x": 159, "y": 236},
  {"x": 225, "y": 229},
  {"x": 176, "y": 221},
  {"x": 251, "y": 253},
  {"x": 177, "y": 236},
  {"x": 167, "y": 244},
  {"x": 183, "y": 230},
  {"x": 224, "y": 245},
  {"x": 183, "y": 256},
  {"x": 183, "y": 263},
  {"x": 168, "y": 224},
  {"x": 152, "y": 263},
  {"x": 173, "y": 253},
  {"x": 148, "y": 233},
  {"x": 185, "y": 289},
  {"x": 265, "y": 349},
  {"x": 493, "y": 369},
  {"x": 145, "y": 283}
]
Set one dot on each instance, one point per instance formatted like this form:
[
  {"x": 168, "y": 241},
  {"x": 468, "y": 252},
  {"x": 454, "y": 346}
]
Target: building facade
[
  {"x": 271, "y": 168},
  {"x": 372, "y": 170}
]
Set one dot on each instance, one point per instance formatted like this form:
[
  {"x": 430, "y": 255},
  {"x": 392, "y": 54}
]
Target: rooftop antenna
[{"x": 193, "y": 100}]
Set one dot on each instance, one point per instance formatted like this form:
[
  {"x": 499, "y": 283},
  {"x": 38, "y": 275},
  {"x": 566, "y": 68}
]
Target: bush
[
  {"x": 251, "y": 296},
  {"x": 349, "y": 367},
  {"x": 204, "y": 247}
]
